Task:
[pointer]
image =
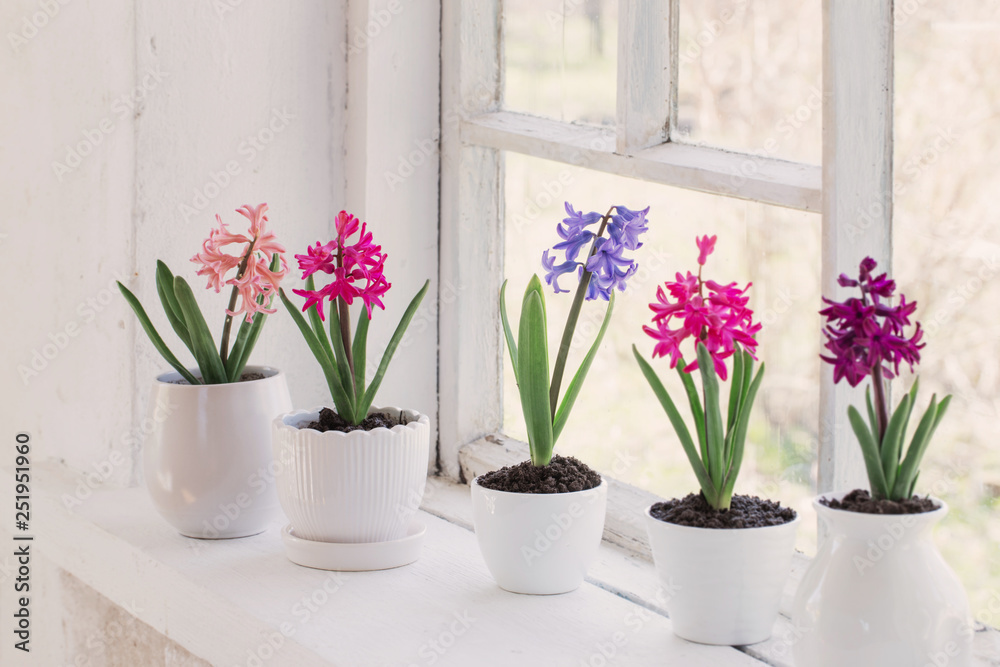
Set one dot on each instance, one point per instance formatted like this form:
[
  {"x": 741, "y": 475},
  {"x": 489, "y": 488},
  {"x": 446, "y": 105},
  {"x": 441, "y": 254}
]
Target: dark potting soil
[
  {"x": 564, "y": 474},
  {"x": 331, "y": 421},
  {"x": 744, "y": 512},
  {"x": 861, "y": 501},
  {"x": 246, "y": 377}
]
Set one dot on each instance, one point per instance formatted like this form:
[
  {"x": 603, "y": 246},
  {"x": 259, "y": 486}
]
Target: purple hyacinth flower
[
  {"x": 572, "y": 243},
  {"x": 553, "y": 270},
  {"x": 577, "y": 220},
  {"x": 608, "y": 266},
  {"x": 867, "y": 334},
  {"x": 626, "y": 225}
]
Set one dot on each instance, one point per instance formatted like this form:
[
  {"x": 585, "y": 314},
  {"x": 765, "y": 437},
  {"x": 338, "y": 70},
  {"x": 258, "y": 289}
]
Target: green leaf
[
  {"x": 573, "y": 390},
  {"x": 872, "y": 420},
  {"x": 248, "y": 334},
  {"x": 714, "y": 438},
  {"x": 680, "y": 428},
  {"x": 910, "y": 468},
  {"x": 746, "y": 370},
  {"x": 390, "y": 349},
  {"x": 735, "y": 391},
  {"x": 892, "y": 441},
  {"x": 873, "y": 464},
  {"x": 202, "y": 345},
  {"x": 941, "y": 410},
  {"x": 906, "y": 424},
  {"x": 738, "y": 441},
  {"x": 507, "y": 333},
  {"x": 317, "y": 322},
  {"x": 154, "y": 337},
  {"x": 340, "y": 400},
  {"x": 246, "y": 345},
  {"x": 533, "y": 369},
  {"x": 343, "y": 368},
  {"x": 535, "y": 285},
  {"x": 236, "y": 356},
  {"x": 696, "y": 410},
  {"x": 359, "y": 351},
  {"x": 165, "y": 289}
]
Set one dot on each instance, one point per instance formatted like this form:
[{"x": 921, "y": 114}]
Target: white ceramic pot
[
  {"x": 206, "y": 462},
  {"x": 722, "y": 586},
  {"x": 878, "y": 592},
  {"x": 539, "y": 543},
  {"x": 357, "y": 487}
]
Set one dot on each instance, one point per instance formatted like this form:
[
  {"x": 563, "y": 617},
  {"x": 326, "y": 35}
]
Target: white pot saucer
[{"x": 355, "y": 557}]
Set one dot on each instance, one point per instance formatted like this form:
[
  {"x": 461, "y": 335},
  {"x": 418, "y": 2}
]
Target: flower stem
[
  {"x": 224, "y": 345},
  {"x": 345, "y": 317},
  {"x": 571, "y": 320}
]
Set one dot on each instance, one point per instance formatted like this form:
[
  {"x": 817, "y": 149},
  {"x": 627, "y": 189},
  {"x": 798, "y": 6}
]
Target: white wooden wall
[{"x": 239, "y": 101}]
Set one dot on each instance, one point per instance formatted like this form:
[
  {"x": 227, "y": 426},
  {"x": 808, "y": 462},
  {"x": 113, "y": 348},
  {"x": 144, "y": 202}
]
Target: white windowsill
[{"x": 222, "y": 599}]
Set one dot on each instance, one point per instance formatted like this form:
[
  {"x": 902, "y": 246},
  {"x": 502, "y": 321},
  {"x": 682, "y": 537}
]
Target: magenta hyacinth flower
[
  {"x": 356, "y": 268},
  {"x": 868, "y": 333},
  {"x": 704, "y": 311}
]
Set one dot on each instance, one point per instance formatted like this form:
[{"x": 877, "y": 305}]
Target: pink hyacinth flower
[
  {"x": 256, "y": 279},
  {"x": 717, "y": 317},
  {"x": 706, "y": 245},
  {"x": 356, "y": 267}
]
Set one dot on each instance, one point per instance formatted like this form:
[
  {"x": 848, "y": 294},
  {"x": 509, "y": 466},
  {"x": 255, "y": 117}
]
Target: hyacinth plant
[
  {"x": 866, "y": 337},
  {"x": 603, "y": 270},
  {"x": 719, "y": 323},
  {"x": 255, "y": 273},
  {"x": 357, "y": 270}
]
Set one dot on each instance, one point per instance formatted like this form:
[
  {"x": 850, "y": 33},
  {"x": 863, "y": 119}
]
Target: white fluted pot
[
  {"x": 539, "y": 543},
  {"x": 722, "y": 586},
  {"x": 357, "y": 487},
  {"x": 878, "y": 592},
  {"x": 206, "y": 461}
]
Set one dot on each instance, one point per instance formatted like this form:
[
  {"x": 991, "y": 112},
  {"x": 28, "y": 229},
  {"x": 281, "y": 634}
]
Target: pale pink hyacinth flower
[{"x": 257, "y": 279}]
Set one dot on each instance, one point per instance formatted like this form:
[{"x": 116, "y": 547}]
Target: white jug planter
[
  {"x": 361, "y": 487},
  {"x": 539, "y": 543},
  {"x": 206, "y": 462},
  {"x": 879, "y": 593},
  {"x": 722, "y": 586}
]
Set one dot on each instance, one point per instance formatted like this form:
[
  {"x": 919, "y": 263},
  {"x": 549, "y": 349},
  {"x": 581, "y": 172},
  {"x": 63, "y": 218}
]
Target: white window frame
[{"x": 851, "y": 189}]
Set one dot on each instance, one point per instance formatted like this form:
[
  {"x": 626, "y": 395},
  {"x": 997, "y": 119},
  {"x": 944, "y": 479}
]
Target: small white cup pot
[
  {"x": 722, "y": 586},
  {"x": 357, "y": 487},
  {"x": 878, "y": 592},
  {"x": 206, "y": 460},
  {"x": 539, "y": 543}
]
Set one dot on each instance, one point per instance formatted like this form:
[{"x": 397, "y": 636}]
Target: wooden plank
[
  {"x": 245, "y": 590},
  {"x": 857, "y": 188},
  {"x": 712, "y": 170},
  {"x": 647, "y": 90},
  {"x": 444, "y": 608},
  {"x": 471, "y": 233}
]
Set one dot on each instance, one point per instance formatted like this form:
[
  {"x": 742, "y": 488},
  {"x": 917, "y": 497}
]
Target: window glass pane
[
  {"x": 560, "y": 58},
  {"x": 617, "y": 425},
  {"x": 750, "y": 76},
  {"x": 947, "y": 257}
]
